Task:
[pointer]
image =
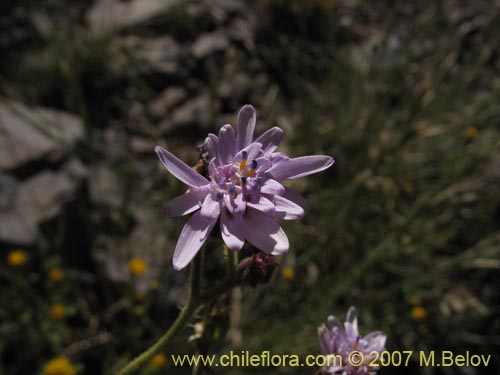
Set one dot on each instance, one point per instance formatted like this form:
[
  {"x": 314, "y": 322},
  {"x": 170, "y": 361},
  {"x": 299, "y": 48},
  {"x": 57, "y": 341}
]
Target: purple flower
[
  {"x": 339, "y": 341},
  {"x": 244, "y": 190}
]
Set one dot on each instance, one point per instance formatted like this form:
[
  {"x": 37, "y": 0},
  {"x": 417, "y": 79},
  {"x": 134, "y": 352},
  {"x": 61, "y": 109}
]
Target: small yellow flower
[
  {"x": 56, "y": 274},
  {"x": 57, "y": 311},
  {"x": 159, "y": 361},
  {"x": 418, "y": 313},
  {"x": 137, "y": 266},
  {"x": 59, "y": 366},
  {"x": 471, "y": 132},
  {"x": 288, "y": 273},
  {"x": 16, "y": 258}
]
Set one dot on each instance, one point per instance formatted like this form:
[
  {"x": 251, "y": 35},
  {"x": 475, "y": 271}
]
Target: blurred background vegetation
[{"x": 405, "y": 226}]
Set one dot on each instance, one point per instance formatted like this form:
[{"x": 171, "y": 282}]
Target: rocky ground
[{"x": 187, "y": 53}]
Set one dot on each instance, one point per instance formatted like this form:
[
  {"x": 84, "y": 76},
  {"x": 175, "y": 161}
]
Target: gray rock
[
  {"x": 8, "y": 187},
  {"x": 208, "y": 44},
  {"x": 36, "y": 200},
  {"x": 155, "y": 54},
  {"x": 235, "y": 89},
  {"x": 196, "y": 111},
  {"x": 115, "y": 141},
  {"x": 28, "y": 134},
  {"x": 168, "y": 99},
  {"x": 230, "y": 6},
  {"x": 141, "y": 145},
  {"x": 115, "y": 14},
  {"x": 241, "y": 30},
  {"x": 104, "y": 187}
]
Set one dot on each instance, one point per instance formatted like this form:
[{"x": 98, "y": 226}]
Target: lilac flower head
[
  {"x": 244, "y": 190},
  {"x": 340, "y": 341}
]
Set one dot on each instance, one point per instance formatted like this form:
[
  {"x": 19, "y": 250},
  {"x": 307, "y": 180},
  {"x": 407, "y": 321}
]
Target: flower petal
[
  {"x": 296, "y": 198},
  {"x": 351, "y": 323},
  {"x": 263, "y": 205},
  {"x": 334, "y": 324},
  {"x": 375, "y": 340},
  {"x": 272, "y": 187},
  {"x": 193, "y": 236},
  {"x": 278, "y": 158},
  {"x": 235, "y": 206},
  {"x": 286, "y": 209},
  {"x": 325, "y": 340},
  {"x": 252, "y": 150},
  {"x": 271, "y": 139},
  {"x": 227, "y": 144},
  {"x": 186, "y": 203},
  {"x": 300, "y": 167},
  {"x": 263, "y": 164},
  {"x": 265, "y": 233},
  {"x": 179, "y": 169},
  {"x": 246, "y": 126},
  {"x": 232, "y": 228},
  {"x": 211, "y": 142},
  {"x": 210, "y": 208}
]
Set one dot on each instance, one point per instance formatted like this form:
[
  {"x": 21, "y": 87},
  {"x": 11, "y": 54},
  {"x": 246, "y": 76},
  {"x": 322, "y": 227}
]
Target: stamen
[
  {"x": 219, "y": 196},
  {"x": 232, "y": 192},
  {"x": 259, "y": 180},
  {"x": 254, "y": 164},
  {"x": 243, "y": 164},
  {"x": 244, "y": 155},
  {"x": 243, "y": 180},
  {"x": 356, "y": 344},
  {"x": 251, "y": 173}
]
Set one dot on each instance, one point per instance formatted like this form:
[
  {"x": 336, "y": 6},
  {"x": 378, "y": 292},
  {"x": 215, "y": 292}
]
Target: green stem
[{"x": 186, "y": 313}]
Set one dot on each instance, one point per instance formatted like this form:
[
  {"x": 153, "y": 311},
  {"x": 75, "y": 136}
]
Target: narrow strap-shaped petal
[
  {"x": 253, "y": 150},
  {"x": 179, "y": 169},
  {"x": 186, "y": 203},
  {"x": 227, "y": 144},
  {"x": 210, "y": 208},
  {"x": 334, "y": 324},
  {"x": 272, "y": 187},
  {"x": 193, "y": 236},
  {"x": 325, "y": 340},
  {"x": 271, "y": 139},
  {"x": 297, "y": 198},
  {"x": 265, "y": 233},
  {"x": 211, "y": 142},
  {"x": 263, "y": 205},
  {"x": 263, "y": 164},
  {"x": 237, "y": 205},
  {"x": 286, "y": 209},
  {"x": 375, "y": 340},
  {"x": 246, "y": 126},
  {"x": 278, "y": 158},
  {"x": 300, "y": 167},
  {"x": 351, "y": 323},
  {"x": 232, "y": 228}
]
